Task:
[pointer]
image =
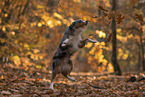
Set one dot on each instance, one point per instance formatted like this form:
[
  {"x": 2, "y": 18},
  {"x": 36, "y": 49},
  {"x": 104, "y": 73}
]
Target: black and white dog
[{"x": 70, "y": 43}]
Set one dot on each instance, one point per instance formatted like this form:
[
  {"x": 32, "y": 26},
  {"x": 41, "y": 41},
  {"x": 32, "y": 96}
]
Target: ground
[{"x": 22, "y": 83}]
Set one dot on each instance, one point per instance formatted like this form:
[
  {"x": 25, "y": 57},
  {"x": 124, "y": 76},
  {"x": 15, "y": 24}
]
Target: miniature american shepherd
[{"x": 70, "y": 43}]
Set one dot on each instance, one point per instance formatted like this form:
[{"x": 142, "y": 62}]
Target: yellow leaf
[
  {"x": 39, "y": 24},
  {"x": 2, "y": 40},
  {"x": 110, "y": 67},
  {"x": 88, "y": 45},
  {"x": 36, "y": 57},
  {"x": 13, "y": 33},
  {"x": 27, "y": 46},
  {"x": 78, "y": 1},
  {"x": 2, "y": 77},
  {"x": 36, "y": 51},
  {"x": 41, "y": 57},
  {"x": 4, "y": 29},
  {"x": 58, "y": 15},
  {"x": 101, "y": 34},
  {"x": 6, "y": 15},
  {"x": 32, "y": 56},
  {"x": 102, "y": 43},
  {"x": 17, "y": 60}
]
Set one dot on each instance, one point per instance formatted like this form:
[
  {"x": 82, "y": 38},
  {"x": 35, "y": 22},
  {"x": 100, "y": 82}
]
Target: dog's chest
[{"x": 75, "y": 40}]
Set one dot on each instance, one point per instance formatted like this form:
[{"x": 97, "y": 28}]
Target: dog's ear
[{"x": 72, "y": 25}]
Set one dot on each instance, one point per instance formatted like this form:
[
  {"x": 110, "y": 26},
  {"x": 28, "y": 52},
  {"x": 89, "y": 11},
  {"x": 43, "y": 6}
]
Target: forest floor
[{"x": 21, "y": 83}]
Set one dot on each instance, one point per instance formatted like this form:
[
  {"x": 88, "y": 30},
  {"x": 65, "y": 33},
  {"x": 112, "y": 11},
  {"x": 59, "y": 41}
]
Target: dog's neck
[{"x": 79, "y": 31}]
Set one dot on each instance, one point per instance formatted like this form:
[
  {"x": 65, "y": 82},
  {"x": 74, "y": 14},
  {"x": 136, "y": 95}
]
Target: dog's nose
[{"x": 86, "y": 22}]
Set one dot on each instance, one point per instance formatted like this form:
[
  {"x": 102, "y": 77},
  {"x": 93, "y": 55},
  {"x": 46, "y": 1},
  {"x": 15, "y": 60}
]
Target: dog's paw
[
  {"x": 90, "y": 40},
  {"x": 66, "y": 41},
  {"x": 64, "y": 45},
  {"x": 71, "y": 79},
  {"x": 51, "y": 86}
]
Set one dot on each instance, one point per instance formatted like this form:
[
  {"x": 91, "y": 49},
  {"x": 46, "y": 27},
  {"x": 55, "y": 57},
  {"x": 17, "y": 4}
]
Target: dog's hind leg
[
  {"x": 68, "y": 70},
  {"x": 53, "y": 74},
  {"x": 52, "y": 80}
]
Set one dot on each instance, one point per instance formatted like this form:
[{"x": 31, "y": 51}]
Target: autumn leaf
[
  {"x": 109, "y": 38},
  {"x": 102, "y": 8},
  {"x": 139, "y": 17},
  {"x": 119, "y": 18}
]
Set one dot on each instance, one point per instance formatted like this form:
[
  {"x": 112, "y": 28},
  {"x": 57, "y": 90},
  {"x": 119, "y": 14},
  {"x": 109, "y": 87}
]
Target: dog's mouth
[{"x": 82, "y": 24}]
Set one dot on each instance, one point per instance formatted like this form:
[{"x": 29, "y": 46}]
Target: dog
[{"x": 70, "y": 43}]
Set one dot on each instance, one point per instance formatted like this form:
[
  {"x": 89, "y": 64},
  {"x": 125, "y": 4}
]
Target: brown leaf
[
  {"x": 49, "y": 91},
  {"x": 102, "y": 8},
  {"x": 25, "y": 95},
  {"x": 139, "y": 17},
  {"x": 5, "y": 92},
  {"x": 16, "y": 95},
  {"x": 109, "y": 38},
  {"x": 119, "y": 18}
]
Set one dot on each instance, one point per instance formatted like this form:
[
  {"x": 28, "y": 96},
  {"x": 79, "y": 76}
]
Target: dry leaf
[
  {"x": 5, "y": 92},
  {"x": 109, "y": 38},
  {"x": 16, "y": 95},
  {"x": 119, "y": 18},
  {"x": 139, "y": 17},
  {"x": 49, "y": 91},
  {"x": 102, "y": 8}
]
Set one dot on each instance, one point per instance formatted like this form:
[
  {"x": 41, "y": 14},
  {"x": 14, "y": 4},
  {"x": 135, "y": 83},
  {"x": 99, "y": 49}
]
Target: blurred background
[{"x": 31, "y": 30}]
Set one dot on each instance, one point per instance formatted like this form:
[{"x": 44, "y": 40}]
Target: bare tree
[{"x": 114, "y": 42}]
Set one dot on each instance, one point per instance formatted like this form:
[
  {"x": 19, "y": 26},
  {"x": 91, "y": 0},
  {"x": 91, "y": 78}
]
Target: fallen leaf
[
  {"x": 16, "y": 95},
  {"x": 109, "y": 37},
  {"x": 5, "y": 92},
  {"x": 139, "y": 17},
  {"x": 49, "y": 91},
  {"x": 102, "y": 8},
  {"x": 119, "y": 18}
]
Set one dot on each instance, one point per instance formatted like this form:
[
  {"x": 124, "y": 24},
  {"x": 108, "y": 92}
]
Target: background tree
[{"x": 114, "y": 41}]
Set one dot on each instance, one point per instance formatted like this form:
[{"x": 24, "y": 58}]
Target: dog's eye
[{"x": 79, "y": 21}]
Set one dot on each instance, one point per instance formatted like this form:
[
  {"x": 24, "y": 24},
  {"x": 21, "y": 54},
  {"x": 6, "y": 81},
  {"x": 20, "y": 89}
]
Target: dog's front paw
[
  {"x": 90, "y": 40},
  {"x": 65, "y": 43}
]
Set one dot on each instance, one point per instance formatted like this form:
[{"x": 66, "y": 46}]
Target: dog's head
[{"x": 78, "y": 26}]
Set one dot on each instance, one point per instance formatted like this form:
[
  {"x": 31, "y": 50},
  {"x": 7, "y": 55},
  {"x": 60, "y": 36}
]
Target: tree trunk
[
  {"x": 142, "y": 49},
  {"x": 114, "y": 43}
]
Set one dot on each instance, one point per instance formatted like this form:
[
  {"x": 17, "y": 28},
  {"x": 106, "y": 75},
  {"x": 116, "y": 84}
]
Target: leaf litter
[{"x": 19, "y": 83}]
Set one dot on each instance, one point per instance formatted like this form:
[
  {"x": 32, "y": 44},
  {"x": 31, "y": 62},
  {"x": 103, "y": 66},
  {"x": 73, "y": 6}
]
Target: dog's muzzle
[{"x": 86, "y": 22}]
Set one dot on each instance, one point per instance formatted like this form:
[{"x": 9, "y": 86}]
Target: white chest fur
[{"x": 75, "y": 42}]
